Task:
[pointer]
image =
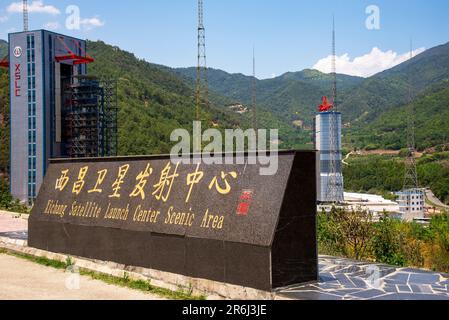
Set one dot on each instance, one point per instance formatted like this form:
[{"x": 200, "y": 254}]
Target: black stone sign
[{"x": 224, "y": 222}]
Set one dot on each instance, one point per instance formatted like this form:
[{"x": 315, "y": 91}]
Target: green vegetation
[
  {"x": 389, "y": 130},
  {"x": 374, "y": 107},
  {"x": 125, "y": 281},
  {"x": 353, "y": 234},
  {"x": 384, "y": 174},
  {"x": 152, "y": 102},
  {"x": 4, "y": 120},
  {"x": 281, "y": 100},
  {"x": 7, "y": 202},
  {"x": 3, "y": 49}
]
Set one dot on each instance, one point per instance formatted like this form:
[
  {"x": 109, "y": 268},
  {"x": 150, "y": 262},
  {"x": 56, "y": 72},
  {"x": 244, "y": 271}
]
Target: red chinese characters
[{"x": 246, "y": 199}]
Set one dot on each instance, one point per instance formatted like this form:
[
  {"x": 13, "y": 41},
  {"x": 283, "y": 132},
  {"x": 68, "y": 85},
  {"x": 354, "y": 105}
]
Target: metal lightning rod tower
[
  {"x": 334, "y": 69},
  {"x": 334, "y": 186},
  {"x": 201, "y": 71},
  {"x": 254, "y": 94},
  {"x": 201, "y": 94},
  {"x": 25, "y": 15},
  {"x": 411, "y": 174}
]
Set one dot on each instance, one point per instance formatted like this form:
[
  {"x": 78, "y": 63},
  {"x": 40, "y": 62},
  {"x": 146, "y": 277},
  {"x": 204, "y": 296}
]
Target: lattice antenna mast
[
  {"x": 411, "y": 174},
  {"x": 25, "y": 15},
  {"x": 201, "y": 72},
  {"x": 254, "y": 93},
  {"x": 334, "y": 194},
  {"x": 334, "y": 69}
]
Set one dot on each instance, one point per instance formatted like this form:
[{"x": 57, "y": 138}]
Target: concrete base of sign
[{"x": 213, "y": 290}]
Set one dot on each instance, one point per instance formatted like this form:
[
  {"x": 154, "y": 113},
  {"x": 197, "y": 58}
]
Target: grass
[{"x": 140, "y": 285}]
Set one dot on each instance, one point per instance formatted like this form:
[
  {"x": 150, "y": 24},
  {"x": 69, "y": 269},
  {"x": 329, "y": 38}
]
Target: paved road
[
  {"x": 10, "y": 224},
  {"x": 24, "y": 280},
  {"x": 432, "y": 198}
]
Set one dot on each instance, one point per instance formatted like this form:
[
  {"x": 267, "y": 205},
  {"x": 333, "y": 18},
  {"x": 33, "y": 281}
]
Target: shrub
[
  {"x": 353, "y": 234},
  {"x": 346, "y": 233},
  {"x": 7, "y": 202},
  {"x": 387, "y": 243}
]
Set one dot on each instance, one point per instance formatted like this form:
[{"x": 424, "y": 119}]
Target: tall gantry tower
[{"x": 201, "y": 70}]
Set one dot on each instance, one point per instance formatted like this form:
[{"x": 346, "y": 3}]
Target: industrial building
[
  {"x": 57, "y": 111},
  {"x": 327, "y": 138}
]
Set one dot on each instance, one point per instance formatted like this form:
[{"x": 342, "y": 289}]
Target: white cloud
[
  {"x": 51, "y": 26},
  {"x": 36, "y": 6},
  {"x": 91, "y": 23},
  {"x": 367, "y": 65}
]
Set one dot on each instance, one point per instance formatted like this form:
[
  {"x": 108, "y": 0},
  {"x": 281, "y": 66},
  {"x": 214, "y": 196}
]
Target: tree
[{"x": 347, "y": 232}]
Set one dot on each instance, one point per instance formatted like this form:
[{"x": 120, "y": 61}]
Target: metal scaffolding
[{"x": 89, "y": 118}]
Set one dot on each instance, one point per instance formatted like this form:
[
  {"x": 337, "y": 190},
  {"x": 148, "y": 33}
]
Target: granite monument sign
[{"x": 224, "y": 222}]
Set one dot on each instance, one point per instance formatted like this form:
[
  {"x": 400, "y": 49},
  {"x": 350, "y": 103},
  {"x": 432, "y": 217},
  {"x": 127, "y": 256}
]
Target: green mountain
[
  {"x": 229, "y": 89},
  {"x": 389, "y": 89},
  {"x": 4, "y": 103},
  {"x": 292, "y": 96},
  {"x": 389, "y": 129},
  {"x": 373, "y": 108},
  {"x": 156, "y": 99},
  {"x": 152, "y": 102}
]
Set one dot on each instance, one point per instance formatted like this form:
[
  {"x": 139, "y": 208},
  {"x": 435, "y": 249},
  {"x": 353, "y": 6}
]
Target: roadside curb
[{"x": 211, "y": 289}]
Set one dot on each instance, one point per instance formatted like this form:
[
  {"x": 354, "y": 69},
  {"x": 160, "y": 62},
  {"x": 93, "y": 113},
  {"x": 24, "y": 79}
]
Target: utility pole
[{"x": 25, "y": 15}]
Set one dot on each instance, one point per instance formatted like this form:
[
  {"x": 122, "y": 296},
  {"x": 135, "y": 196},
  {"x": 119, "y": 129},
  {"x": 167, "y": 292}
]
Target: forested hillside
[
  {"x": 389, "y": 130},
  {"x": 390, "y": 89},
  {"x": 384, "y": 174},
  {"x": 152, "y": 102},
  {"x": 292, "y": 96},
  {"x": 4, "y": 106},
  {"x": 156, "y": 99}
]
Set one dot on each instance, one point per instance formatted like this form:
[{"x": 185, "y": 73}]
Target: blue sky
[{"x": 289, "y": 35}]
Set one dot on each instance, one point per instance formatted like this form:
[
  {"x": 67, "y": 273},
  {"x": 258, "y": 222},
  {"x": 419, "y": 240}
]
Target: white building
[{"x": 412, "y": 204}]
